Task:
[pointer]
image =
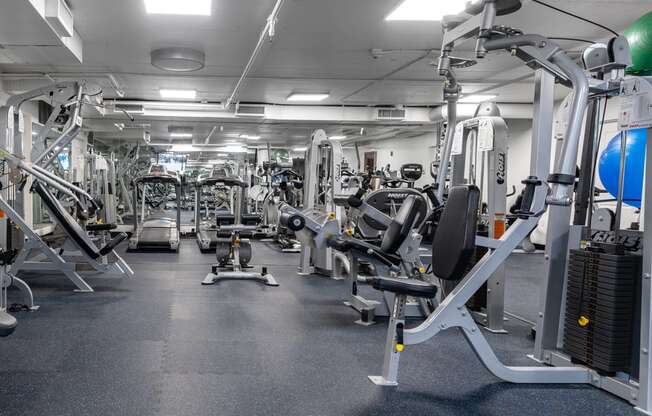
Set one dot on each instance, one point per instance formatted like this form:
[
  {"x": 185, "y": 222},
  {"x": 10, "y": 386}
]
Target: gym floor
[{"x": 162, "y": 344}]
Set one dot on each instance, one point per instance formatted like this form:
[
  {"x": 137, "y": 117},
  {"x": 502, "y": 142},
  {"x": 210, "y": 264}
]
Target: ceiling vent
[
  {"x": 129, "y": 108},
  {"x": 393, "y": 114},
  {"x": 59, "y": 16},
  {"x": 178, "y": 59},
  {"x": 250, "y": 110}
]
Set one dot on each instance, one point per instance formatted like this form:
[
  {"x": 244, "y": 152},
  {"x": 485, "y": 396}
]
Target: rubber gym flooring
[{"x": 162, "y": 344}]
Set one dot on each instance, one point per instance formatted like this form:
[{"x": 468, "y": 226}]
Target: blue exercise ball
[{"x": 609, "y": 166}]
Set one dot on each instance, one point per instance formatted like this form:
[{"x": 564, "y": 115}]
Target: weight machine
[
  {"x": 322, "y": 187},
  {"x": 479, "y": 157}
]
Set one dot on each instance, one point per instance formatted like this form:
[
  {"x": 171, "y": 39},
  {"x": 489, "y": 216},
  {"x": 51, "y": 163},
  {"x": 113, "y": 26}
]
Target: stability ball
[
  {"x": 639, "y": 35},
  {"x": 609, "y": 166}
]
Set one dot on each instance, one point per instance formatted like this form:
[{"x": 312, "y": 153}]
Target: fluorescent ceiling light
[
  {"x": 477, "y": 98},
  {"x": 300, "y": 149},
  {"x": 179, "y": 94},
  {"x": 234, "y": 149},
  {"x": 248, "y": 137},
  {"x": 188, "y": 7},
  {"x": 426, "y": 10},
  {"x": 337, "y": 137},
  {"x": 181, "y": 135},
  {"x": 308, "y": 97}
]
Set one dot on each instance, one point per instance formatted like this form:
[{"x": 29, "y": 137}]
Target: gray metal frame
[
  {"x": 550, "y": 62},
  {"x": 561, "y": 238},
  {"x": 489, "y": 174},
  {"x": 321, "y": 151}
]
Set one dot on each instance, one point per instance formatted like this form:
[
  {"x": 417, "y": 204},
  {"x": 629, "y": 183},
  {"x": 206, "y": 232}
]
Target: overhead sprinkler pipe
[{"x": 268, "y": 31}]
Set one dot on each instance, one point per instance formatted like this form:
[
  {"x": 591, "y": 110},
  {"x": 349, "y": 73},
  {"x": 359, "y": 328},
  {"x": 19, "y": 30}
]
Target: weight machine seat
[
  {"x": 72, "y": 227},
  {"x": 454, "y": 241},
  {"x": 452, "y": 248},
  {"x": 224, "y": 219},
  {"x": 101, "y": 227},
  {"x": 7, "y": 324},
  {"x": 347, "y": 244},
  {"x": 397, "y": 231},
  {"x": 250, "y": 219},
  {"x": 407, "y": 287}
]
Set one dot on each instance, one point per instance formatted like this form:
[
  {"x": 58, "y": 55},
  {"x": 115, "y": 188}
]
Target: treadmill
[{"x": 156, "y": 230}]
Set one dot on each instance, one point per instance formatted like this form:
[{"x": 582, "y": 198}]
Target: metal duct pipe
[{"x": 52, "y": 76}]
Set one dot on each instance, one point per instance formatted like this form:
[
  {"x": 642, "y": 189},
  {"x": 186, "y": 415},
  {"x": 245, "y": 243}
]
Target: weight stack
[{"x": 601, "y": 309}]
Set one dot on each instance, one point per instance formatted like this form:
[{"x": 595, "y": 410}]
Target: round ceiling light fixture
[{"x": 178, "y": 59}]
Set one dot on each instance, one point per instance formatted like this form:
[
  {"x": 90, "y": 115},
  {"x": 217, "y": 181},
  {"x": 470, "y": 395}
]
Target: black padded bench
[{"x": 72, "y": 227}]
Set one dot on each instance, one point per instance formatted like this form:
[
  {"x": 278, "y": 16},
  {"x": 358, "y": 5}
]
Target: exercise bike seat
[
  {"x": 407, "y": 287},
  {"x": 7, "y": 324}
]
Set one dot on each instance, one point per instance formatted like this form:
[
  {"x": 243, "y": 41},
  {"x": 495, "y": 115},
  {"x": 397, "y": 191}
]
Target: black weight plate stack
[{"x": 601, "y": 288}]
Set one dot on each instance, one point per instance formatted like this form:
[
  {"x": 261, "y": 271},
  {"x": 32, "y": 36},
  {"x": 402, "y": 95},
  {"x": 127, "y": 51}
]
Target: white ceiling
[{"x": 321, "y": 45}]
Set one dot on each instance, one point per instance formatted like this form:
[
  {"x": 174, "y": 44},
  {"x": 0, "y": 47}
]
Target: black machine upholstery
[
  {"x": 454, "y": 242},
  {"x": 399, "y": 229},
  {"x": 72, "y": 227},
  {"x": 7, "y": 324},
  {"x": 408, "y": 287},
  {"x": 384, "y": 199},
  {"x": 101, "y": 227},
  {"x": 348, "y": 244},
  {"x": 250, "y": 219},
  {"x": 224, "y": 219},
  {"x": 452, "y": 248}
]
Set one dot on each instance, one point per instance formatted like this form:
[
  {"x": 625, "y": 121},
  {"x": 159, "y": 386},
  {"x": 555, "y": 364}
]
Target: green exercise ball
[{"x": 639, "y": 35}]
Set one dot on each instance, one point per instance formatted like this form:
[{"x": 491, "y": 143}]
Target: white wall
[{"x": 398, "y": 152}]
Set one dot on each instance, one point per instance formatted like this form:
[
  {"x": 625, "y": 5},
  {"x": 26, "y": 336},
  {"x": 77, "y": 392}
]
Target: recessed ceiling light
[
  {"x": 300, "y": 149},
  {"x": 179, "y": 94},
  {"x": 181, "y": 135},
  {"x": 187, "y": 7},
  {"x": 308, "y": 97},
  {"x": 248, "y": 137},
  {"x": 426, "y": 10},
  {"x": 337, "y": 137},
  {"x": 477, "y": 98}
]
